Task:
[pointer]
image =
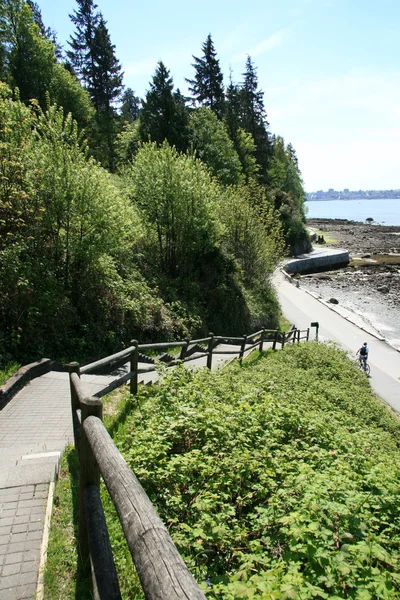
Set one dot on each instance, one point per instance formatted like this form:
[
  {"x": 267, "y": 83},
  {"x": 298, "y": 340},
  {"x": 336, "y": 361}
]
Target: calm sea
[{"x": 385, "y": 211}]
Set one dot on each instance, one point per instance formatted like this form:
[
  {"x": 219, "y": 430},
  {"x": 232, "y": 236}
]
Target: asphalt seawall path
[{"x": 345, "y": 329}]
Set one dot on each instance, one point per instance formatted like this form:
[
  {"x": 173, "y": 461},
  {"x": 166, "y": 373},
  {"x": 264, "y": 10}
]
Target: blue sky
[{"x": 329, "y": 69}]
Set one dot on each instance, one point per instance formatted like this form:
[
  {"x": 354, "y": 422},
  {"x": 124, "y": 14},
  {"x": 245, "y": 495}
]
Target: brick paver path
[{"x": 35, "y": 427}]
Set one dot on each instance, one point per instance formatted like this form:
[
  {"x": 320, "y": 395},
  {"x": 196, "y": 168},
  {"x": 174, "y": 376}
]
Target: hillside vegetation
[
  {"x": 120, "y": 217},
  {"x": 278, "y": 479}
]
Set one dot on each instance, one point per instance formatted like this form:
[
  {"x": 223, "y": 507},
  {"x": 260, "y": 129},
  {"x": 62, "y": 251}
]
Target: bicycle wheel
[{"x": 366, "y": 369}]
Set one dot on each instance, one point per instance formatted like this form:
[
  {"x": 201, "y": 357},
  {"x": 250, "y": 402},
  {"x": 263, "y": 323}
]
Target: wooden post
[
  {"x": 210, "y": 349},
  {"x": 104, "y": 575},
  {"x": 260, "y": 348},
  {"x": 283, "y": 338},
  {"x": 275, "y": 339},
  {"x": 294, "y": 336},
  {"x": 308, "y": 333},
  {"x": 182, "y": 355},
  {"x": 134, "y": 367},
  {"x": 89, "y": 472},
  {"x": 73, "y": 367},
  {"x": 242, "y": 348},
  {"x": 298, "y": 336}
]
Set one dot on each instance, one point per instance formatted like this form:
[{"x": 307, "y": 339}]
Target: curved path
[{"x": 302, "y": 308}]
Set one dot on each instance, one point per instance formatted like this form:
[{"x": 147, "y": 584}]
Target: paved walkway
[{"x": 35, "y": 427}]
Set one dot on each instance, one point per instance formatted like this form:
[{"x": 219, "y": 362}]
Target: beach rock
[
  {"x": 366, "y": 256},
  {"x": 383, "y": 289},
  {"x": 333, "y": 301}
]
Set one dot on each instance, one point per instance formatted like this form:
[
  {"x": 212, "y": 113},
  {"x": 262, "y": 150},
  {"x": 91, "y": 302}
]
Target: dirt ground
[{"x": 370, "y": 285}]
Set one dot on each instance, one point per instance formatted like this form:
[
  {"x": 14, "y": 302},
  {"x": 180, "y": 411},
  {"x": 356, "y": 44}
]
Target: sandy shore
[{"x": 370, "y": 285}]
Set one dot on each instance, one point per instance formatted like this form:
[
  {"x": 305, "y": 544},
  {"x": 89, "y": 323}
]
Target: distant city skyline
[{"x": 329, "y": 70}]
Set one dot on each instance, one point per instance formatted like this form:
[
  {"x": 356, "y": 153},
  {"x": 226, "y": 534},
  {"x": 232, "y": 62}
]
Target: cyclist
[{"x": 362, "y": 354}]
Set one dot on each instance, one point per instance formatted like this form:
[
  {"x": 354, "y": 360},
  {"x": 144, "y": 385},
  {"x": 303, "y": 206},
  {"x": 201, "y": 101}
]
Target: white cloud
[{"x": 272, "y": 41}]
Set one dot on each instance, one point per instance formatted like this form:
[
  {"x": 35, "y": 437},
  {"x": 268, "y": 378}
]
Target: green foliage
[
  {"x": 127, "y": 142},
  {"x": 7, "y": 370},
  {"x": 164, "y": 115},
  {"x": 66, "y": 91},
  {"x": 178, "y": 198},
  {"x": 279, "y": 479},
  {"x": 207, "y": 85},
  {"x": 288, "y": 195},
  {"x": 210, "y": 141},
  {"x": 70, "y": 279},
  {"x": 28, "y": 56},
  {"x": 252, "y": 233}
]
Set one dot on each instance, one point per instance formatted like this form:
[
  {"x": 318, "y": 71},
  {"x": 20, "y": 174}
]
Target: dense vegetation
[
  {"x": 160, "y": 219},
  {"x": 278, "y": 479}
]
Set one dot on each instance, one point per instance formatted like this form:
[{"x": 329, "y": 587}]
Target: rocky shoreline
[{"x": 370, "y": 285}]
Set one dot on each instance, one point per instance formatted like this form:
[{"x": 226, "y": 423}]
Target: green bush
[{"x": 279, "y": 479}]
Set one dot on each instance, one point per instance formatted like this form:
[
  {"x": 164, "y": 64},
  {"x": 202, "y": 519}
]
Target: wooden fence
[{"x": 161, "y": 570}]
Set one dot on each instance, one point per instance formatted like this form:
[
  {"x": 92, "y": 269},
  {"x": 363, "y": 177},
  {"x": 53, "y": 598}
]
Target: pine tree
[
  {"x": 254, "y": 118},
  {"x": 164, "y": 115},
  {"x": 105, "y": 87},
  {"x": 207, "y": 85},
  {"x": 130, "y": 105},
  {"x": 232, "y": 114},
  {"x": 81, "y": 55},
  {"x": 105, "y": 83}
]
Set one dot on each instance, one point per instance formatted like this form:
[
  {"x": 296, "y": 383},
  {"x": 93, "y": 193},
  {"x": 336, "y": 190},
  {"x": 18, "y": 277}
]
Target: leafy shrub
[{"x": 277, "y": 480}]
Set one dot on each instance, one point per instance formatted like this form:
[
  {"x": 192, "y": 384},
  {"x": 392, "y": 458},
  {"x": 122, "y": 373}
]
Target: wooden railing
[{"x": 161, "y": 570}]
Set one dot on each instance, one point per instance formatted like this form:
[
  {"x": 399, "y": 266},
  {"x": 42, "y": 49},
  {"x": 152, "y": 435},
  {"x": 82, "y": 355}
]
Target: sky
[{"x": 329, "y": 70}]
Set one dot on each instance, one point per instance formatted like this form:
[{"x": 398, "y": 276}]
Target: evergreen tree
[
  {"x": 164, "y": 115},
  {"x": 207, "y": 85},
  {"x": 130, "y": 105},
  {"x": 232, "y": 113},
  {"x": 254, "y": 118},
  {"x": 105, "y": 88},
  {"x": 105, "y": 83},
  {"x": 81, "y": 55}
]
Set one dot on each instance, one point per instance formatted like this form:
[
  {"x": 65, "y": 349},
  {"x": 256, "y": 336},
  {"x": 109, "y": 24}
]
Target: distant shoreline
[{"x": 330, "y": 199}]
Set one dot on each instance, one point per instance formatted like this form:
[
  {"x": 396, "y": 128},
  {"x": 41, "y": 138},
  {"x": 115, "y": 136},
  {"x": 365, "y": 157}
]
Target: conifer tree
[
  {"x": 105, "y": 88},
  {"x": 81, "y": 55},
  {"x": 232, "y": 113},
  {"x": 130, "y": 105},
  {"x": 254, "y": 118},
  {"x": 164, "y": 115},
  {"x": 207, "y": 85}
]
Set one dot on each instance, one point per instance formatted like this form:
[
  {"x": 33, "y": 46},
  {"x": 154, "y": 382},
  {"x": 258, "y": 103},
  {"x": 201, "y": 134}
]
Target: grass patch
[
  {"x": 65, "y": 578},
  {"x": 284, "y": 323},
  {"x": 328, "y": 237},
  {"x": 375, "y": 260},
  {"x": 8, "y": 371}
]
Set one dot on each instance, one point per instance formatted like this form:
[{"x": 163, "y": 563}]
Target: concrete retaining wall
[{"x": 318, "y": 260}]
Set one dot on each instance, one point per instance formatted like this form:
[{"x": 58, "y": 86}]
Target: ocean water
[{"x": 384, "y": 211}]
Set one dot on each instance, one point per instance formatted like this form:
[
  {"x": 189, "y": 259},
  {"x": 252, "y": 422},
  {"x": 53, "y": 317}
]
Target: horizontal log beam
[
  {"x": 161, "y": 569},
  {"x": 104, "y": 362}
]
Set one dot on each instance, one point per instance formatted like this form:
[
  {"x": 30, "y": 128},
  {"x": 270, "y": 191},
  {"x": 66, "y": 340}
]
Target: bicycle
[{"x": 362, "y": 364}]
